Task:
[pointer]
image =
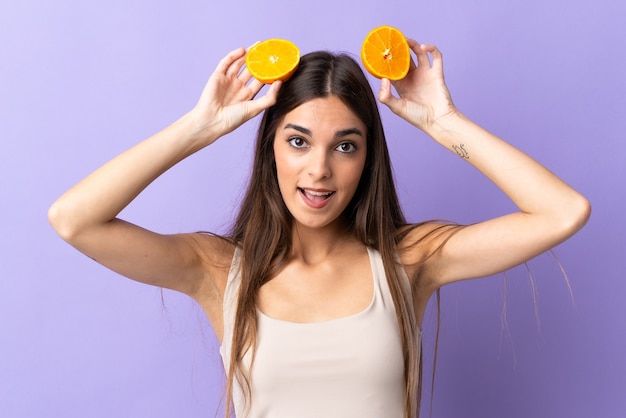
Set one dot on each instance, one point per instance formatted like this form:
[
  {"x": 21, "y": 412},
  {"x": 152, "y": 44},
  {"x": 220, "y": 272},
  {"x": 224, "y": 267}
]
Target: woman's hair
[{"x": 263, "y": 227}]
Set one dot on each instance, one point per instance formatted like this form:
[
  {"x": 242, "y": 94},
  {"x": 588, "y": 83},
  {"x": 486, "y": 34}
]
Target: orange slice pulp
[
  {"x": 272, "y": 59},
  {"x": 385, "y": 53}
]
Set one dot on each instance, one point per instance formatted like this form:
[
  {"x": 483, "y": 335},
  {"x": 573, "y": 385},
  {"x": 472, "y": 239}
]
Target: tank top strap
[
  {"x": 229, "y": 307},
  {"x": 382, "y": 286}
]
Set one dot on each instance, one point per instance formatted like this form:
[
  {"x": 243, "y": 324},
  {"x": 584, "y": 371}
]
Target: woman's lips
[{"x": 316, "y": 198}]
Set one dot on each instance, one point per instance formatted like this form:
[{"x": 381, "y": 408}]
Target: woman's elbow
[
  {"x": 61, "y": 221},
  {"x": 577, "y": 214}
]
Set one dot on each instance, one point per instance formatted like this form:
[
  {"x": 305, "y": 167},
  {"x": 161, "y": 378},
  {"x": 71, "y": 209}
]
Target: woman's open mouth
[{"x": 315, "y": 198}]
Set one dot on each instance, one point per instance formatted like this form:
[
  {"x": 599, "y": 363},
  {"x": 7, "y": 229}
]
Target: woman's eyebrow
[
  {"x": 339, "y": 134},
  {"x": 349, "y": 131},
  {"x": 299, "y": 129}
]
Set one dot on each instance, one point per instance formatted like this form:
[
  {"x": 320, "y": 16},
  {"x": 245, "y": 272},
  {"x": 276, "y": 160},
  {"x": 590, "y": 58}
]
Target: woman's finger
[
  {"x": 268, "y": 99},
  {"x": 235, "y": 67},
  {"x": 254, "y": 88},
  {"x": 386, "y": 97},
  {"x": 420, "y": 54},
  {"x": 436, "y": 54},
  {"x": 245, "y": 76},
  {"x": 227, "y": 61}
]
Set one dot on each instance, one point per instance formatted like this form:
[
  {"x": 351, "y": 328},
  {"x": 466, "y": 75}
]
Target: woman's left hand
[{"x": 424, "y": 97}]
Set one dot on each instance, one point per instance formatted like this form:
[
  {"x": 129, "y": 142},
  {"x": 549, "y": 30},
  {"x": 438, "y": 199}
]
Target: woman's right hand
[{"x": 228, "y": 99}]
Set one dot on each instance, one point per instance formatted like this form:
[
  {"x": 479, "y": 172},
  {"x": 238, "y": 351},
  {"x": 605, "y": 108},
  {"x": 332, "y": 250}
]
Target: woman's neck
[{"x": 316, "y": 245}]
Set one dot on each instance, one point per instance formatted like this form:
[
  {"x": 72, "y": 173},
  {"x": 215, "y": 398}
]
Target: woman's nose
[{"x": 319, "y": 165}]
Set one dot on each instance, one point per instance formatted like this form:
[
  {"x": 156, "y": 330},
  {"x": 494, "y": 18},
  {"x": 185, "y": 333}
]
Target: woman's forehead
[{"x": 323, "y": 114}]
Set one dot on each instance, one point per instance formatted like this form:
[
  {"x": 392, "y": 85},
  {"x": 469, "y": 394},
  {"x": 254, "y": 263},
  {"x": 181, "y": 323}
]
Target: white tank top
[{"x": 345, "y": 367}]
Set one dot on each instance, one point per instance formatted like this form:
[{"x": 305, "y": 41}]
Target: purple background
[{"x": 81, "y": 81}]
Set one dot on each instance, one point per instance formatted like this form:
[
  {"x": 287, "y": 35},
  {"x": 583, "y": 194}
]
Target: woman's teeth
[
  {"x": 314, "y": 193},
  {"x": 316, "y": 196}
]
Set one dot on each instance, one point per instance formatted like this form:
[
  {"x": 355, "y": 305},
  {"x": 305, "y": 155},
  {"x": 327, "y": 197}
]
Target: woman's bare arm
[
  {"x": 86, "y": 215},
  {"x": 550, "y": 211}
]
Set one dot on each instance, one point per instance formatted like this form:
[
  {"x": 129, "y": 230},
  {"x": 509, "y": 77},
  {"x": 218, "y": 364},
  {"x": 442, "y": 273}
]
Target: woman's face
[{"x": 320, "y": 150}]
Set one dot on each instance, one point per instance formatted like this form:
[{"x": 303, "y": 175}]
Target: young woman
[{"x": 318, "y": 293}]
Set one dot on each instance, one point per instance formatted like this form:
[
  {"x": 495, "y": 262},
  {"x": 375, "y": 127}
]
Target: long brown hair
[{"x": 263, "y": 228}]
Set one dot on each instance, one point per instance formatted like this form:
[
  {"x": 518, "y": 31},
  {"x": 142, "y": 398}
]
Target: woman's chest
[
  {"x": 305, "y": 295},
  {"x": 353, "y": 362}
]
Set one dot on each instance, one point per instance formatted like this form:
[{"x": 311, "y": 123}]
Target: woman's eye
[
  {"x": 297, "y": 142},
  {"x": 346, "y": 147}
]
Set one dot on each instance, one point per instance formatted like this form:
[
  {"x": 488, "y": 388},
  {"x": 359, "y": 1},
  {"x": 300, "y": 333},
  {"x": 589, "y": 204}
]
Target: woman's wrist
[
  {"x": 196, "y": 130},
  {"x": 448, "y": 128}
]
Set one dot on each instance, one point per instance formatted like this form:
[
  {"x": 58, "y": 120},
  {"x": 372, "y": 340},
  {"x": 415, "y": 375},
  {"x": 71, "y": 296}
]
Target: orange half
[
  {"x": 385, "y": 53},
  {"x": 273, "y": 59}
]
